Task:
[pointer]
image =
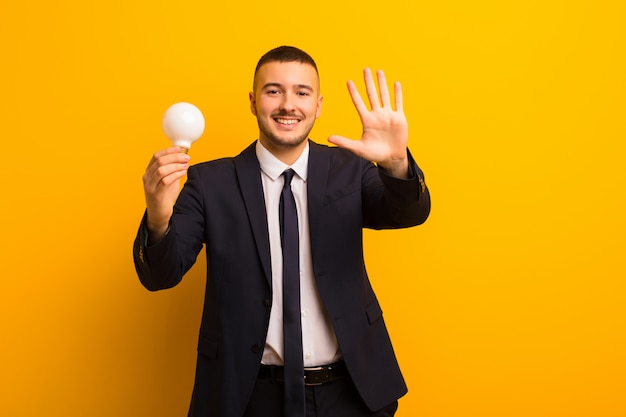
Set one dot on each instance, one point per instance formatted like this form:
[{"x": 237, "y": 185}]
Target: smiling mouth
[{"x": 286, "y": 121}]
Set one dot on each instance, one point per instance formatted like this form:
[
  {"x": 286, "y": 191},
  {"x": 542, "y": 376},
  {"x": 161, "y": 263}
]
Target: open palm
[{"x": 385, "y": 129}]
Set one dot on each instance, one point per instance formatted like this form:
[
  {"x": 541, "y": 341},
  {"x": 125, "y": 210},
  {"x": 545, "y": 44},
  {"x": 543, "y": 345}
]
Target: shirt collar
[{"x": 273, "y": 167}]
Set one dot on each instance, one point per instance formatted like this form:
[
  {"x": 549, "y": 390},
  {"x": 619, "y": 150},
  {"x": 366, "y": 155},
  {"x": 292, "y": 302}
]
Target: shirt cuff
[{"x": 146, "y": 234}]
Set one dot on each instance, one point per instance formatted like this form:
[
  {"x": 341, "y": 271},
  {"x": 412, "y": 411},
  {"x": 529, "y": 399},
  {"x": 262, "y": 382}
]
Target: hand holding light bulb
[{"x": 183, "y": 123}]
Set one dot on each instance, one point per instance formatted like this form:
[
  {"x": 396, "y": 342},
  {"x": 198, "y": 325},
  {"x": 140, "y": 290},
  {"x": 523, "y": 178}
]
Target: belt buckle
[{"x": 317, "y": 368}]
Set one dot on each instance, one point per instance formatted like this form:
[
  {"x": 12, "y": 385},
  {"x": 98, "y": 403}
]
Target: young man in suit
[{"x": 291, "y": 326}]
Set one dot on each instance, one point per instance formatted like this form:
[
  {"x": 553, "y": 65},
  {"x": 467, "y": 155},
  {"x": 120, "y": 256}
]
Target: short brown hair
[{"x": 285, "y": 54}]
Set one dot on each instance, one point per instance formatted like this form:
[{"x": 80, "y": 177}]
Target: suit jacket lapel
[
  {"x": 319, "y": 168},
  {"x": 249, "y": 176}
]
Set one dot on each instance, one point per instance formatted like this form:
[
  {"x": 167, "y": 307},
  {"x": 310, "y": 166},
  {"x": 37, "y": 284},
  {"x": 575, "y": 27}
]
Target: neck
[{"x": 285, "y": 154}]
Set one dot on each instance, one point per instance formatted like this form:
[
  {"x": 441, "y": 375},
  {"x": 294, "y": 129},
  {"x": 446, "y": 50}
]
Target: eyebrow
[{"x": 298, "y": 86}]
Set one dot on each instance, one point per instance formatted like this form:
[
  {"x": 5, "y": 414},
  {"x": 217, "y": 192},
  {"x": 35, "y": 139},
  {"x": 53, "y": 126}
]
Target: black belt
[{"x": 312, "y": 376}]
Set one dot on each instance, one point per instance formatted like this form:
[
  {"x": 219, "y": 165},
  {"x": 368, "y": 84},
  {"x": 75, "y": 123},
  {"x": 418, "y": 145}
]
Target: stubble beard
[{"x": 285, "y": 143}]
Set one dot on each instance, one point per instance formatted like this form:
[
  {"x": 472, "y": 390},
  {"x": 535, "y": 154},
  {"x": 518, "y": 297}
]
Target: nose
[{"x": 287, "y": 103}]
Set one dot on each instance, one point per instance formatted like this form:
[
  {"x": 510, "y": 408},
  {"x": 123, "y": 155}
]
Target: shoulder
[
  {"x": 214, "y": 165},
  {"x": 215, "y": 171},
  {"x": 226, "y": 166},
  {"x": 335, "y": 154}
]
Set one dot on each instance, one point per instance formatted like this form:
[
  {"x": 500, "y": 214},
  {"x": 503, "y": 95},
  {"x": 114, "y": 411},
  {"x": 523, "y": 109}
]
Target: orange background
[{"x": 510, "y": 300}]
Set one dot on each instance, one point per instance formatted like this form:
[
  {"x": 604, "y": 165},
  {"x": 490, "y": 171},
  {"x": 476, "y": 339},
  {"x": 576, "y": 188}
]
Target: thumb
[{"x": 343, "y": 142}]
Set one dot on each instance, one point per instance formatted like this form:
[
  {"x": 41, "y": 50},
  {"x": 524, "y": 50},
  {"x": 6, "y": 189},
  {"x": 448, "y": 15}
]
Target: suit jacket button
[
  {"x": 267, "y": 302},
  {"x": 256, "y": 348}
]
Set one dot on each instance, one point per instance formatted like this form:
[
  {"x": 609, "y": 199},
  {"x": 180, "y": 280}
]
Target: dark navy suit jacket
[{"x": 222, "y": 206}]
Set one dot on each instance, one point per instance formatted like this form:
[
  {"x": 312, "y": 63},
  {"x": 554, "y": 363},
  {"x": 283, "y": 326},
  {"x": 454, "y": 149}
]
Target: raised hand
[
  {"x": 385, "y": 129},
  {"x": 161, "y": 183}
]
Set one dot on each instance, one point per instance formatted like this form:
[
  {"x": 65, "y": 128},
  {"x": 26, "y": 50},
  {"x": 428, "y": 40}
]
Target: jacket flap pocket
[
  {"x": 374, "y": 312},
  {"x": 341, "y": 193},
  {"x": 208, "y": 346}
]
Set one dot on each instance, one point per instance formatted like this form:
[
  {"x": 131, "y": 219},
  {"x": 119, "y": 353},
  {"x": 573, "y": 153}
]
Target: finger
[
  {"x": 167, "y": 157},
  {"x": 162, "y": 175},
  {"x": 173, "y": 177},
  {"x": 166, "y": 151},
  {"x": 157, "y": 174},
  {"x": 384, "y": 90},
  {"x": 164, "y": 179},
  {"x": 356, "y": 99},
  {"x": 166, "y": 171},
  {"x": 174, "y": 150},
  {"x": 370, "y": 88},
  {"x": 353, "y": 146},
  {"x": 397, "y": 92}
]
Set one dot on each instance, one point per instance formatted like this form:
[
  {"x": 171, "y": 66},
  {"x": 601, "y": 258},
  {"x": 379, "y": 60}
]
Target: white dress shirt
[{"x": 319, "y": 343}]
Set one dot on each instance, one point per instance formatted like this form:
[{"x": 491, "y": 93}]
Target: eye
[
  {"x": 303, "y": 93},
  {"x": 272, "y": 92}
]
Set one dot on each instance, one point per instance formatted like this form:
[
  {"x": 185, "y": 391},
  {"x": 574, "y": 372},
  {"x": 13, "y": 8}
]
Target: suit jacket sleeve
[
  {"x": 390, "y": 203},
  {"x": 163, "y": 264}
]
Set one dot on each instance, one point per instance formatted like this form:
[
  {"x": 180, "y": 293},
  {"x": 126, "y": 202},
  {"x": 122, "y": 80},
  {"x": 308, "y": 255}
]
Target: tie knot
[{"x": 288, "y": 174}]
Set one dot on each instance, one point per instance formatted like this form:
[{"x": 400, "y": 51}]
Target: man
[{"x": 282, "y": 225}]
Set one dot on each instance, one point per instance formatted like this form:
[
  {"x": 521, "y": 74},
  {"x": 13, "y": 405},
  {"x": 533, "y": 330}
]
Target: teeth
[{"x": 287, "y": 121}]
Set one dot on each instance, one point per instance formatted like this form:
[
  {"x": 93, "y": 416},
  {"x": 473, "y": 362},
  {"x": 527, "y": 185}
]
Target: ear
[
  {"x": 252, "y": 102},
  {"x": 319, "y": 107}
]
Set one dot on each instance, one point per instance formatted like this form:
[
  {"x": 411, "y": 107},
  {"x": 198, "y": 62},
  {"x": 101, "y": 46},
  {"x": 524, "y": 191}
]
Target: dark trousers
[{"x": 334, "y": 399}]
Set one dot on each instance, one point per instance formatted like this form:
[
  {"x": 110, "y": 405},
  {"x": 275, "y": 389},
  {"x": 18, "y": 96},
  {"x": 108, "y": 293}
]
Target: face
[{"x": 286, "y": 101}]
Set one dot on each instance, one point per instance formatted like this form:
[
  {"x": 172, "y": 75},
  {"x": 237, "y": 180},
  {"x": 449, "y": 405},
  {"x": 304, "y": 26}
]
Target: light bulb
[{"x": 183, "y": 123}]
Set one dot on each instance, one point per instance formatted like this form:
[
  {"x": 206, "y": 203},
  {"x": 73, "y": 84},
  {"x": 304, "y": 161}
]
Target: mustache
[{"x": 283, "y": 113}]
